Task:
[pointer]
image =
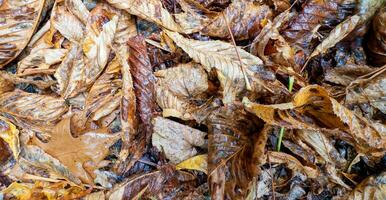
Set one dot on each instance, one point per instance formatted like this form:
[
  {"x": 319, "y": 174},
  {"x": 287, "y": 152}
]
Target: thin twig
[{"x": 248, "y": 85}]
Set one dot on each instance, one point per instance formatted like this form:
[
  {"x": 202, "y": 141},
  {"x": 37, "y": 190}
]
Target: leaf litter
[{"x": 184, "y": 99}]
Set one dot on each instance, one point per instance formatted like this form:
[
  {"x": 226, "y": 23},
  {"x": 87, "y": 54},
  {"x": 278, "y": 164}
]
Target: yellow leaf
[
  {"x": 20, "y": 191},
  {"x": 199, "y": 163},
  {"x": 10, "y": 134}
]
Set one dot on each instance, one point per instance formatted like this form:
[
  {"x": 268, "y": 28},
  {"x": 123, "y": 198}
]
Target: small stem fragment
[{"x": 247, "y": 84}]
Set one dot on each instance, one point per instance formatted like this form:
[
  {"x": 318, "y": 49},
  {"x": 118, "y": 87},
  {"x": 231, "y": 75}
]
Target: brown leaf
[
  {"x": 292, "y": 163},
  {"x": 70, "y": 73},
  {"x": 302, "y": 32},
  {"x": 150, "y": 10},
  {"x": 176, "y": 140},
  {"x": 19, "y": 19},
  {"x": 313, "y": 109},
  {"x": 234, "y": 148},
  {"x": 223, "y": 57},
  {"x": 40, "y": 60},
  {"x": 144, "y": 82},
  {"x": 177, "y": 87},
  {"x": 371, "y": 188},
  {"x": 67, "y": 24},
  {"x": 10, "y": 79},
  {"x": 97, "y": 44},
  {"x": 82, "y": 154},
  {"x": 162, "y": 184},
  {"x": 34, "y": 107},
  {"x": 5, "y": 85},
  {"x": 245, "y": 18},
  {"x": 377, "y": 44},
  {"x": 370, "y": 88},
  {"x": 346, "y": 74},
  {"x": 104, "y": 96}
]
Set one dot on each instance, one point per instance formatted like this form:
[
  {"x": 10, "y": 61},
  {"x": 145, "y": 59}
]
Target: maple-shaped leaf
[{"x": 88, "y": 149}]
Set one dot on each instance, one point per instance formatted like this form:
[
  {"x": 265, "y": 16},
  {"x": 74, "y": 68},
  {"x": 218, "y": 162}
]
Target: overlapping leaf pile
[{"x": 192, "y": 99}]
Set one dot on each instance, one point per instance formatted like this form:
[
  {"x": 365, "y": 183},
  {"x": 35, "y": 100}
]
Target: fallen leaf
[
  {"x": 34, "y": 107},
  {"x": 199, "y": 162},
  {"x": 10, "y": 134},
  {"x": 178, "y": 87},
  {"x": 176, "y": 140},
  {"x": 150, "y": 10},
  {"x": 246, "y": 19},
  {"x": 376, "y": 42},
  {"x": 160, "y": 184},
  {"x": 370, "y": 88},
  {"x": 293, "y": 163},
  {"x": 5, "y": 85},
  {"x": 70, "y": 73},
  {"x": 313, "y": 109},
  {"x": 371, "y": 188},
  {"x": 232, "y": 152},
  {"x": 19, "y": 20},
  {"x": 82, "y": 154},
  {"x": 40, "y": 60},
  {"x": 223, "y": 57},
  {"x": 67, "y": 24}
]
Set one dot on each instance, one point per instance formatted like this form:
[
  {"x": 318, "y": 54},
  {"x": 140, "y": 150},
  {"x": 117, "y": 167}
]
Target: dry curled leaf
[
  {"x": 82, "y": 154},
  {"x": 178, "y": 87},
  {"x": 313, "y": 109},
  {"x": 19, "y": 19},
  {"x": 33, "y": 107},
  {"x": 245, "y": 18},
  {"x": 176, "y": 140}
]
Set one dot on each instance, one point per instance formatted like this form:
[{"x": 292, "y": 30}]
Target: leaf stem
[{"x": 291, "y": 82}]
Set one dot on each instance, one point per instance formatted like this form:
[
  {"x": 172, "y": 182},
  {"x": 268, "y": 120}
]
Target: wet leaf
[
  {"x": 376, "y": 42},
  {"x": 32, "y": 106},
  {"x": 371, "y": 188},
  {"x": 10, "y": 134},
  {"x": 313, "y": 109},
  {"x": 178, "y": 87},
  {"x": 40, "y": 60},
  {"x": 233, "y": 152},
  {"x": 150, "y": 10},
  {"x": 245, "y": 18},
  {"x": 19, "y": 20},
  {"x": 82, "y": 154},
  {"x": 176, "y": 140},
  {"x": 199, "y": 163},
  {"x": 370, "y": 88},
  {"x": 67, "y": 24},
  {"x": 223, "y": 57},
  {"x": 159, "y": 184}
]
